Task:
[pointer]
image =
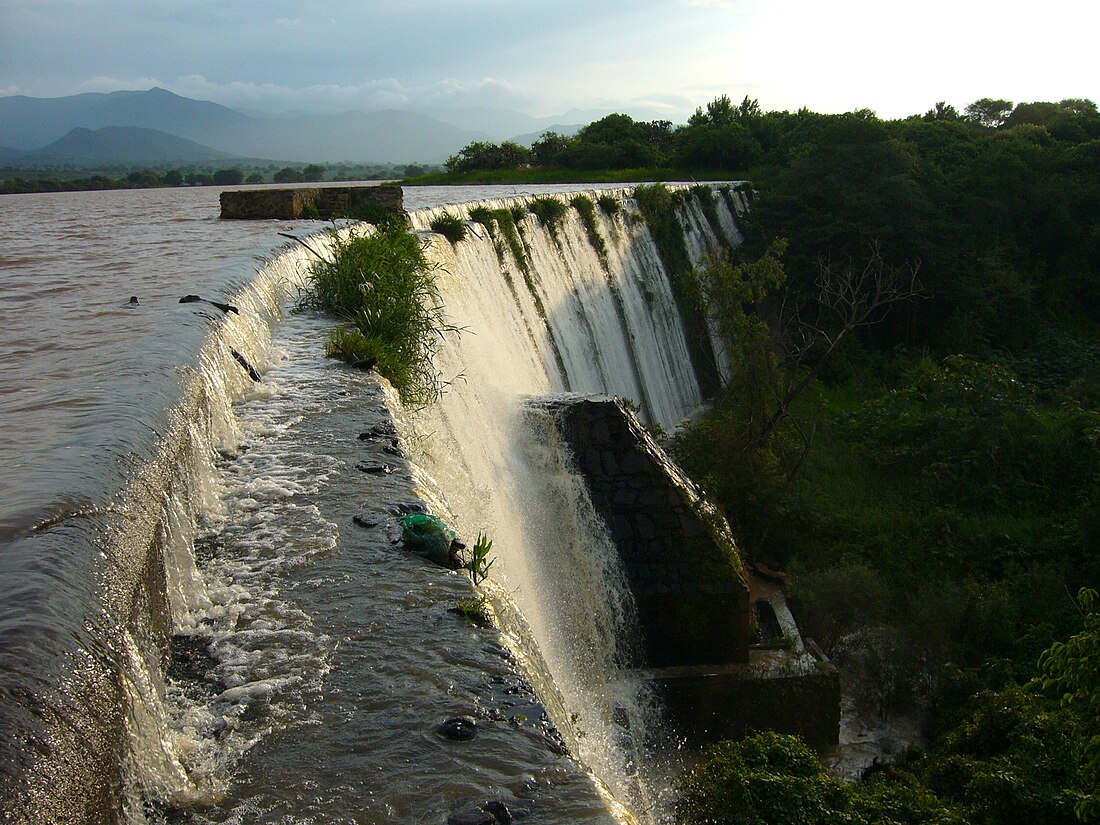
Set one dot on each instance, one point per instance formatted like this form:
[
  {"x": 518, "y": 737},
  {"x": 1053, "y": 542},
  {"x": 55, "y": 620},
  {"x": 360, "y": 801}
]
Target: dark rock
[
  {"x": 384, "y": 429},
  {"x": 363, "y": 521},
  {"x": 475, "y": 817},
  {"x": 375, "y": 469},
  {"x": 458, "y": 728},
  {"x": 500, "y": 811}
]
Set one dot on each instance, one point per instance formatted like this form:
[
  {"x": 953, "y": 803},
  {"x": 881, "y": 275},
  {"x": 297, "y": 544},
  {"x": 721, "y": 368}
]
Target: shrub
[
  {"x": 609, "y": 205},
  {"x": 587, "y": 210},
  {"x": 450, "y": 227},
  {"x": 767, "y": 778},
  {"x": 775, "y": 779},
  {"x": 1010, "y": 761},
  {"x": 384, "y": 286}
]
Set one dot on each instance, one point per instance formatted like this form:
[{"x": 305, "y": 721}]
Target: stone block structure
[
  {"x": 695, "y": 599},
  {"x": 683, "y": 568},
  {"x": 310, "y": 202}
]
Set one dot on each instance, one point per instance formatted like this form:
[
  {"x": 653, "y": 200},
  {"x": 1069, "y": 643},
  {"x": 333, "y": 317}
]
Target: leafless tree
[{"x": 846, "y": 298}]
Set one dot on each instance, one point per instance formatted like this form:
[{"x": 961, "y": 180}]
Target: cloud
[
  {"x": 385, "y": 93},
  {"x": 102, "y": 83}
]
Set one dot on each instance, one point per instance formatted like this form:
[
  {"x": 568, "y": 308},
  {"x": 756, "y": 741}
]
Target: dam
[{"x": 229, "y": 628}]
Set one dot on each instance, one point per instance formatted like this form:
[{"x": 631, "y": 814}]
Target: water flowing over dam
[{"x": 228, "y": 629}]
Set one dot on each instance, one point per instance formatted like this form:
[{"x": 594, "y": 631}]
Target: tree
[
  {"x": 143, "y": 178},
  {"x": 1073, "y": 667},
  {"x": 173, "y": 177},
  {"x": 550, "y": 149},
  {"x": 619, "y": 142},
  {"x": 313, "y": 172},
  {"x": 942, "y": 111},
  {"x": 989, "y": 112},
  {"x": 228, "y": 177},
  {"x": 481, "y": 156},
  {"x": 288, "y": 174}
]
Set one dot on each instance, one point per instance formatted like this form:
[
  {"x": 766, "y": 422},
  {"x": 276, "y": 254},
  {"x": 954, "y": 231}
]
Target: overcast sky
[{"x": 546, "y": 57}]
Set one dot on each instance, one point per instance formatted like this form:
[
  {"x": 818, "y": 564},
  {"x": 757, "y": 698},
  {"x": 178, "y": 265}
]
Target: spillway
[{"x": 228, "y": 629}]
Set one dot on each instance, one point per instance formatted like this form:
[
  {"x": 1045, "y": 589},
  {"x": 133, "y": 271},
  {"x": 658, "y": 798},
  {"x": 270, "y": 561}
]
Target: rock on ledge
[{"x": 310, "y": 202}]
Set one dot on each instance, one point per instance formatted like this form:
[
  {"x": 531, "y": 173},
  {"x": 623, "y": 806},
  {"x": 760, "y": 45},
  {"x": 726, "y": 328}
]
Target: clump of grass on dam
[
  {"x": 504, "y": 222},
  {"x": 587, "y": 211},
  {"x": 383, "y": 286},
  {"x": 450, "y": 227},
  {"x": 550, "y": 212}
]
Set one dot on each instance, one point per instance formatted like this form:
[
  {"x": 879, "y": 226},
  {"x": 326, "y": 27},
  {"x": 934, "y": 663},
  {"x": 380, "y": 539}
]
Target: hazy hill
[
  {"x": 29, "y": 124},
  {"x": 8, "y": 155},
  {"x": 121, "y": 144}
]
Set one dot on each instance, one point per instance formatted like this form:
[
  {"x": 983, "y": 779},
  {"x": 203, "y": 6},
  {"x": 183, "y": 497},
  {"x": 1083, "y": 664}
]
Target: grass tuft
[
  {"x": 609, "y": 205},
  {"x": 450, "y": 227},
  {"x": 383, "y": 286},
  {"x": 587, "y": 211}
]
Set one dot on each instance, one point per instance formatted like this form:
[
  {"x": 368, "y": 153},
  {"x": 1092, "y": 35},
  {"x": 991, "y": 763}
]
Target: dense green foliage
[
  {"x": 1073, "y": 668},
  {"x": 382, "y": 285},
  {"x": 1010, "y": 761},
  {"x": 911, "y": 425}
]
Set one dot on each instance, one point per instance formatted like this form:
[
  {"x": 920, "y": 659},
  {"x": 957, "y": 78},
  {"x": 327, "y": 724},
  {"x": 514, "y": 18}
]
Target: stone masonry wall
[
  {"x": 682, "y": 565},
  {"x": 315, "y": 201}
]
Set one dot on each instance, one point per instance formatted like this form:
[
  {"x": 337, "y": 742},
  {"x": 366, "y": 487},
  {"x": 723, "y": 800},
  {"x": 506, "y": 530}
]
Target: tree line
[
  {"x": 911, "y": 428},
  {"x": 743, "y": 138},
  {"x": 14, "y": 181}
]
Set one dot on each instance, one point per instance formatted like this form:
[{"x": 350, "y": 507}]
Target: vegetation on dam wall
[{"x": 382, "y": 286}]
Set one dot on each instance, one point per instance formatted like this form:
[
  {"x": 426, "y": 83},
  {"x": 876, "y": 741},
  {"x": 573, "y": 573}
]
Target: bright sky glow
[{"x": 650, "y": 57}]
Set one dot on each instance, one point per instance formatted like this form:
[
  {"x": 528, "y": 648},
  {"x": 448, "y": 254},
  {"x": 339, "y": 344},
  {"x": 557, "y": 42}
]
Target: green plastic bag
[{"x": 429, "y": 536}]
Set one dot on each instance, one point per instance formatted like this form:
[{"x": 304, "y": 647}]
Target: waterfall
[
  {"x": 106, "y": 597},
  {"x": 98, "y": 740},
  {"x": 567, "y": 319}
]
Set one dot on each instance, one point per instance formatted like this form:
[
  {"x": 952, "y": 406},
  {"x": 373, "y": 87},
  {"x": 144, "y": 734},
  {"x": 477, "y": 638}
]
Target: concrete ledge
[
  {"x": 708, "y": 704},
  {"x": 310, "y": 202}
]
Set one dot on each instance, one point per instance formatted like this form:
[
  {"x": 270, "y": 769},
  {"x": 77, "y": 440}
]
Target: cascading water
[
  {"x": 236, "y": 635},
  {"x": 125, "y": 579},
  {"x": 563, "y": 319}
]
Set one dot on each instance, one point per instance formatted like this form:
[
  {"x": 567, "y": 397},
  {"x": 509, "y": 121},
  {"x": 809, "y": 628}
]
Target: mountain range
[{"x": 158, "y": 126}]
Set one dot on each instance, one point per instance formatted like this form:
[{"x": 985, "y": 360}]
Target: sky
[{"x": 653, "y": 57}]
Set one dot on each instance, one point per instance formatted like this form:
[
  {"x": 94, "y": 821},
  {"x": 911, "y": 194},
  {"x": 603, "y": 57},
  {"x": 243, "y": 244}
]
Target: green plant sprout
[{"x": 479, "y": 562}]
